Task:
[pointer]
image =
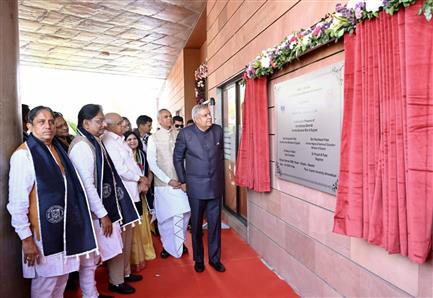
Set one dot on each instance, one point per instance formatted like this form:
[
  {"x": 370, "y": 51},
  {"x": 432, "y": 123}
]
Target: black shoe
[
  {"x": 133, "y": 278},
  {"x": 121, "y": 289},
  {"x": 185, "y": 250},
  {"x": 199, "y": 266},
  {"x": 71, "y": 285},
  {"x": 105, "y": 296},
  {"x": 218, "y": 266},
  {"x": 164, "y": 254}
]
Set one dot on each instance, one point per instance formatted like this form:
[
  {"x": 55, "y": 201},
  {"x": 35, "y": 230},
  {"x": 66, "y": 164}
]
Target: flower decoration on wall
[
  {"x": 332, "y": 27},
  {"x": 200, "y": 82}
]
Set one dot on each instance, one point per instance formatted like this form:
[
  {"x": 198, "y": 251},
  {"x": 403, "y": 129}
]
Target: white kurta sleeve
[
  {"x": 153, "y": 165},
  {"x": 113, "y": 149},
  {"x": 82, "y": 157},
  {"x": 21, "y": 181}
]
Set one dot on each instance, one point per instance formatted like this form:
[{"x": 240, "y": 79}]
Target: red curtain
[
  {"x": 385, "y": 191},
  {"x": 252, "y": 165}
]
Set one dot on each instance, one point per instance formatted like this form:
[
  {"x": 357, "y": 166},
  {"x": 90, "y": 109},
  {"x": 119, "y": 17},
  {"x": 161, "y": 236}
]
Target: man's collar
[
  {"x": 165, "y": 129},
  {"x": 202, "y": 131},
  {"x": 112, "y": 135}
]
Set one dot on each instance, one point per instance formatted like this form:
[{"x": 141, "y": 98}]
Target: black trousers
[{"x": 213, "y": 213}]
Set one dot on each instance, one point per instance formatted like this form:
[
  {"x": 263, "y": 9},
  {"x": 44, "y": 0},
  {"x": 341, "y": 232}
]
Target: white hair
[
  {"x": 196, "y": 109},
  {"x": 162, "y": 111}
]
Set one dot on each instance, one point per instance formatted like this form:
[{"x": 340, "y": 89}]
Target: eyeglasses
[
  {"x": 98, "y": 121},
  {"x": 178, "y": 125}
]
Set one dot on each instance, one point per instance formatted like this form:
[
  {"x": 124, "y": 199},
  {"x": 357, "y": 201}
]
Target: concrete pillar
[{"x": 12, "y": 283}]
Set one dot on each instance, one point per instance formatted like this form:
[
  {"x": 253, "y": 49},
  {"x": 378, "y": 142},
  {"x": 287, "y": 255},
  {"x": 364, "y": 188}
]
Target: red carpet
[{"x": 246, "y": 276}]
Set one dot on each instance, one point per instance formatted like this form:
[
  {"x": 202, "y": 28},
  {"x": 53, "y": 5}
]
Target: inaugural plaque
[{"x": 309, "y": 116}]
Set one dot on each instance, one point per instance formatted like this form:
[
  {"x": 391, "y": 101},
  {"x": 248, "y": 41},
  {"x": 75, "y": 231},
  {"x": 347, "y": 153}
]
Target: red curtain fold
[
  {"x": 252, "y": 165},
  {"x": 385, "y": 191}
]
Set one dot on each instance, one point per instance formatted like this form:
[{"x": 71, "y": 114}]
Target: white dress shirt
[
  {"x": 124, "y": 162},
  {"x": 143, "y": 140},
  {"x": 151, "y": 160},
  {"x": 22, "y": 178}
]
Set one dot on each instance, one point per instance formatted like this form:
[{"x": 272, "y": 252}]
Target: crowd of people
[{"x": 77, "y": 202}]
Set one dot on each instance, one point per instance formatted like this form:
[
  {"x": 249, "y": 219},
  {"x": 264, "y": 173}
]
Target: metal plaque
[{"x": 308, "y": 118}]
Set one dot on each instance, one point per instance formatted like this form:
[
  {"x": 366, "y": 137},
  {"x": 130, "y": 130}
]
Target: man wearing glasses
[{"x": 178, "y": 122}]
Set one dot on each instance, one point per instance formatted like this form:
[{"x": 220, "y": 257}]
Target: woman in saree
[{"x": 142, "y": 244}]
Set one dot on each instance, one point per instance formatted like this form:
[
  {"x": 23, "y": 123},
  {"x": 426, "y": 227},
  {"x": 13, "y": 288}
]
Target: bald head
[{"x": 114, "y": 123}]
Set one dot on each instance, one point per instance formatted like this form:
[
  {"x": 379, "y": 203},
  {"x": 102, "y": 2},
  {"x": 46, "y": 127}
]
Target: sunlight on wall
[{"x": 67, "y": 91}]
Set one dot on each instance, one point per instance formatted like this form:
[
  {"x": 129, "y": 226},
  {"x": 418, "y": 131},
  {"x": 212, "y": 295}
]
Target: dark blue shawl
[
  {"x": 64, "y": 215},
  {"x": 115, "y": 197}
]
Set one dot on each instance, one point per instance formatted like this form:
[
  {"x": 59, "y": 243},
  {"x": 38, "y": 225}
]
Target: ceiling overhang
[{"x": 126, "y": 37}]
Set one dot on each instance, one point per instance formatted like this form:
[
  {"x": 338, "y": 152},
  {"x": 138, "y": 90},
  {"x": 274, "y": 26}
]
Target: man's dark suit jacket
[{"x": 199, "y": 161}]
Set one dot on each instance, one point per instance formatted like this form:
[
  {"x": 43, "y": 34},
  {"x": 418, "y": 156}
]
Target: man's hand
[
  {"x": 183, "y": 187},
  {"x": 174, "y": 183},
  {"x": 31, "y": 252},
  {"x": 107, "y": 226}
]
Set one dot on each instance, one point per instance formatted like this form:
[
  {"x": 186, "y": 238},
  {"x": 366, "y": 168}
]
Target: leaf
[
  {"x": 428, "y": 13},
  {"x": 391, "y": 10}
]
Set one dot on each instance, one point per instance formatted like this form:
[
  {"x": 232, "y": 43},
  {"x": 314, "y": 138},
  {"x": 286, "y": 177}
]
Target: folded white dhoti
[{"x": 173, "y": 212}]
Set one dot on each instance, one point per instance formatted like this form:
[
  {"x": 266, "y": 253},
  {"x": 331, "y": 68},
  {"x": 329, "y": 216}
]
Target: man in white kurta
[
  {"x": 49, "y": 277},
  {"x": 49, "y": 274},
  {"x": 128, "y": 170},
  {"x": 171, "y": 203},
  {"x": 82, "y": 155}
]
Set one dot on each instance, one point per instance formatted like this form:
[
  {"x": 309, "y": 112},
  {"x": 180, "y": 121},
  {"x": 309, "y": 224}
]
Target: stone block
[
  {"x": 105, "y": 14},
  {"x": 396, "y": 269},
  {"x": 171, "y": 29},
  {"x": 39, "y": 46},
  {"x": 52, "y": 18},
  {"x": 31, "y": 13},
  {"x": 94, "y": 26},
  {"x": 66, "y": 33},
  {"x": 146, "y": 23},
  {"x": 31, "y": 26},
  {"x": 134, "y": 34},
  {"x": 43, "y": 4},
  {"x": 145, "y": 7},
  {"x": 151, "y": 37},
  {"x": 71, "y": 21},
  {"x": 134, "y": 44},
  {"x": 126, "y": 19},
  {"x": 81, "y": 9},
  {"x": 52, "y": 39},
  {"x": 86, "y": 36},
  {"x": 104, "y": 39},
  {"x": 174, "y": 13},
  {"x": 47, "y": 29}
]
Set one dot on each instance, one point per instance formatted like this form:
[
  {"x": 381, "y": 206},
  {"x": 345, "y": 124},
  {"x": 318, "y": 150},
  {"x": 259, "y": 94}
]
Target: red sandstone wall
[
  {"x": 178, "y": 92},
  {"x": 191, "y": 63},
  {"x": 291, "y": 226},
  {"x": 172, "y": 95}
]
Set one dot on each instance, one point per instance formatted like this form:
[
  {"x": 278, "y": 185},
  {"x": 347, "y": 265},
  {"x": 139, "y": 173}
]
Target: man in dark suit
[{"x": 199, "y": 162}]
